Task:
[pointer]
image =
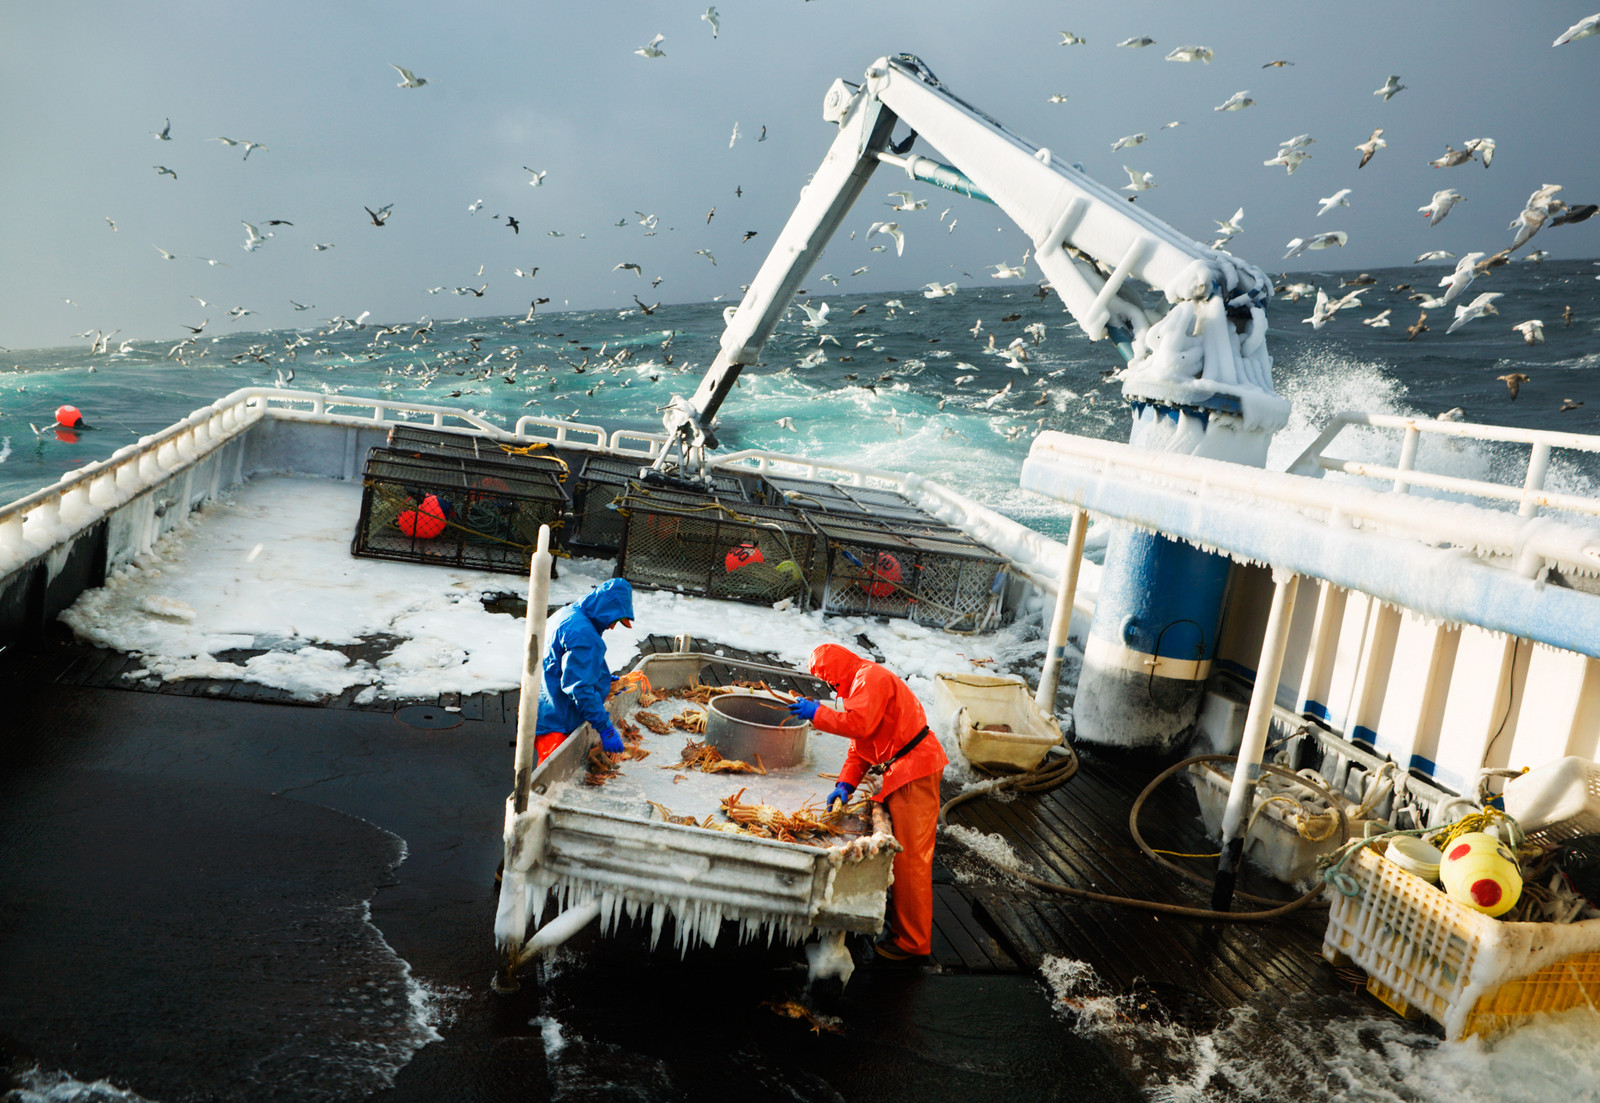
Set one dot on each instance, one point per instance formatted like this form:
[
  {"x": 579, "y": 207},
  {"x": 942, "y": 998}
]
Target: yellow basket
[{"x": 1425, "y": 952}]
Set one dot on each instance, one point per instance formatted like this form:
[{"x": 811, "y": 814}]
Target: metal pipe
[
  {"x": 1061, "y": 623},
  {"x": 1538, "y": 465},
  {"x": 532, "y": 657},
  {"x": 1257, "y": 723},
  {"x": 929, "y": 171}
]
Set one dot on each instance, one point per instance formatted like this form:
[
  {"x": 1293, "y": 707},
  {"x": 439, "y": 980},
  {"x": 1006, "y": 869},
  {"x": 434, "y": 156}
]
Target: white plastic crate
[
  {"x": 1557, "y": 801},
  {"x": 1425, "y": 952},
  {"x": 976, "y": 703}
]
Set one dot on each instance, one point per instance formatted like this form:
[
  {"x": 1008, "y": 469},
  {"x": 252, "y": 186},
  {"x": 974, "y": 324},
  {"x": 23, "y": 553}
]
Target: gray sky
[{"x": 556, "y": 87}]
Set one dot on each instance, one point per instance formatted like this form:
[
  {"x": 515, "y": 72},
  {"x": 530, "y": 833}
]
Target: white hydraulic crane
[{"x": 1206, "y": 352}]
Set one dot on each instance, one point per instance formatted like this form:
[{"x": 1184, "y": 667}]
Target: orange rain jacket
[{"x": 880, "y": 716}]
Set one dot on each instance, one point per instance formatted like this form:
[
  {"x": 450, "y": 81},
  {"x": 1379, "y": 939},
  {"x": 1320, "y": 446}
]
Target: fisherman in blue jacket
[{"x": 575, "y": 679}]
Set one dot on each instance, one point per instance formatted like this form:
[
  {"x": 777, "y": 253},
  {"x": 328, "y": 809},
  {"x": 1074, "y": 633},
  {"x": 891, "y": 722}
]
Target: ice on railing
[{"x": 695, "y": 921}]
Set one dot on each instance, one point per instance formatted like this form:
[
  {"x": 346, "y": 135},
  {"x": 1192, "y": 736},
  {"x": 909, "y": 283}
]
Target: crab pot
[
  {"x": 931, "y": 574},
  {"x": 455, "y": 512},
  {"x": 845, "y": 500},
  {"x": 699, "y": 544},
  {"x": 600, "y": 482},
  {"x": 748, "y": 726}
]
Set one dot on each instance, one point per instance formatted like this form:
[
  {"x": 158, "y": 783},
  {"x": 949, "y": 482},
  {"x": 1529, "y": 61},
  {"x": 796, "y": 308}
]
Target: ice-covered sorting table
[{"x": 611, "y": 844}]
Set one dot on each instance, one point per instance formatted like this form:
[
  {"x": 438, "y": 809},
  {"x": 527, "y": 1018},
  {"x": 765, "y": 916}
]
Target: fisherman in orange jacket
[{"x": 889, "y": 738}]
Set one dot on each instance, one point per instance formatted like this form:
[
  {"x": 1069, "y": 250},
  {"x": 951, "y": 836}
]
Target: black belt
[{"x": 901, "y": 753}]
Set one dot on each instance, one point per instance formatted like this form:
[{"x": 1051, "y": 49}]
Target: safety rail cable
[{"x": 1531, "y": 495}]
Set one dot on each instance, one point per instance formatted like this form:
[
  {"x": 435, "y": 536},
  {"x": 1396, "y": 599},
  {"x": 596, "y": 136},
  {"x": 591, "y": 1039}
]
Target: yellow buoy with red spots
[{"x": 1480, "y": 871}]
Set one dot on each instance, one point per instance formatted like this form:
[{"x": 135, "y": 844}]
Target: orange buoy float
[
  {"x": 886, "y": 572},
  {"x": 425, "y": 522},
  {"x": 740, "y": 555},
  {"x": 69, "y": 417}
]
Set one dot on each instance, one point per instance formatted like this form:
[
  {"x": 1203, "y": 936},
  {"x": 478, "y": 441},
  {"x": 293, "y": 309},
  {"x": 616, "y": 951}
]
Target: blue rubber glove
[
  {"x": 841, "y": 793},
  {"x": 610, "y": 741},
  {"x": 803, "y": 707}
]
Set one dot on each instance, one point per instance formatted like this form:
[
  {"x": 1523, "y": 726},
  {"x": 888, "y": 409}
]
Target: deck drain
[{"x": 427, "y": 716}]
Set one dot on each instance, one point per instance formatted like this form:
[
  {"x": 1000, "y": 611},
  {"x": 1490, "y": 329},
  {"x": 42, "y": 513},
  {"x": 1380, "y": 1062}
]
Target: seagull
[
  {"x": 1289, "y": 158},
  {"x": 163, "y": 170},
  {"x": 1537, "y": 256},
  {"x": 1316, "y": 241},
  {"x": 1070, "y": 39},
  {"x": 1483, "y": 147},
  {"x": 1532, "y": 331},
  {"x": 1008, "y": 272},
  {"x": 1436, "y": 254},
  {"x": 302, "y": 306},
  {"x": 1390, "y": 89},
  {"x": 816, "y": 317},
  {"x": 1279, "y": 64},
  {"x": 1227, "y": 229},
  {"x": 515, "y": 226},
  {"x": 1378, "y": 321},
  {"x": 1583, "y": 28},
  {"x": 1236, "y": 102},
  {"x": 1440, "y": 205},
  {"x": 239, "y": 312},
  {"x": 253, "y": 237},
  {"x": 652, "y": 48},
  {"x": 1139, "y": 181},
  {"x": 1566, "y": 403},
  {"x": 322, "y": 245},
  {"x": 938, "y": 290},
  {"x": 112, "y": 224},
  {"x": 1459, "y": 280},
  {"x": 1299, "y": 141},
  {"x": 1533, "y": 215},
  {"x": 379, "y": 216},
  {"x": 710, "y": 16},
  {"x": 1454, "y": 413},
  {"x": 408, "y": 79},
  {"x": 1138, "y": 42},
  {"x": 538, "y": 177},
  {"x": 735, "y": 136},
  {"x": 1191, "y": 53},
  {"x": 166, "y": 255},
  {"x": 1321, "y": 312},
  {"x": 1371, "y": 146},
  {"x": 530, "y": 273},
  {"x": 1514, "y": 382},
  {"x": 707, "y": 254},
  {"x": 859, "y": 271},
  {"x": 1451, "y": 157},
  {"x": 906, "y": 203},
  {"x": 165, "y": 133},
  {"x": 1057, "y": 97},
  {"x": 1416, "y": 327},
  {"x": 1337, "y": 199},
  {"x": 894, "y": 231},
  {"x": 748, "y": 234},
  {"x": 629, "y": 266},
  {"x": 1581, "y": 213},
  {"x": 1128, "y": 140},
  {"x": 1478, "y": 308},
  {"x": 786, "y": 423}
]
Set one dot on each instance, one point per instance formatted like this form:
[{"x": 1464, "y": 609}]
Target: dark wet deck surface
[{"x": 139, "y": 911}]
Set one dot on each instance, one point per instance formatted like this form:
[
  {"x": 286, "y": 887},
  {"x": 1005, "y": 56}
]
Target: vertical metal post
[
  {"x": 532, "y": 657},
  {"x": 1408, "y": 457},
  {"x": 1257, "y": 722},
  {"x": 1538, "y": 465},
  {"x": 1061, "y": 623}
]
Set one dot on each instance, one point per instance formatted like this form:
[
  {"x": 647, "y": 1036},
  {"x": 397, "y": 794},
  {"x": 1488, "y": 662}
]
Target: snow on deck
[{"x": 269, "y": 568}]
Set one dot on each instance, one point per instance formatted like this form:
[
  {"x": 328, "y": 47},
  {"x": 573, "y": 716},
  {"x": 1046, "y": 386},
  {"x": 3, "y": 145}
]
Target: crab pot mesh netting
[
  {"x": 701, "y": 545},
  {"x": 598, "y": 526},
  {"x": 454, "y": 511},
  {"x": 930, "y": 574}
]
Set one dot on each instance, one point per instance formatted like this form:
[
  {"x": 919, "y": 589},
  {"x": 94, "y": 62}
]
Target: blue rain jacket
[{"x": 575, "y": 678}]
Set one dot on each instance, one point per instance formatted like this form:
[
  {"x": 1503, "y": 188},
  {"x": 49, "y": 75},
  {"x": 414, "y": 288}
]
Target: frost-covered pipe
[
  {"x": 532, "y": 655},
  {"x": 1257, "y": 723},
  {"x": 1061, "y": 622}
]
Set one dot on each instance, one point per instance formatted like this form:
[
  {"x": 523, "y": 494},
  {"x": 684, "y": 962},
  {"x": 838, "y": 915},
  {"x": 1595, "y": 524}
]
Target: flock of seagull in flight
[{"x": 1541, "y": 209}]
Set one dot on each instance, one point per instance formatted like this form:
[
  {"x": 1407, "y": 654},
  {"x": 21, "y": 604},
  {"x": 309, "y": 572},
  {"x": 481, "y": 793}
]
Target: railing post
[
  {"x": 532, "y": 658},
  {"x": 1538, "y": 465},
  {"x": 1061, "y": 623},
  {"x": 1257, "y": 723},
  {"x": 1408, "y": 456}
]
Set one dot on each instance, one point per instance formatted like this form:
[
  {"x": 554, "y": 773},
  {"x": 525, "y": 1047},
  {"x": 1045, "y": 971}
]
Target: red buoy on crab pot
[
  {"x": 886, "y": 575},
  {"x": 425, "y": 522},
  {"x": 740, "y": 555}
]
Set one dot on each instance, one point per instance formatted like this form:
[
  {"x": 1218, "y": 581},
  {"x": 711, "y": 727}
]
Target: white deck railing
[{"x": 1530, "y": 496}]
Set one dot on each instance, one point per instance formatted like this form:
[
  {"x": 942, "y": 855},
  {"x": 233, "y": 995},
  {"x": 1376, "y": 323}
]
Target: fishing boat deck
[{"x": 985, "y": 922}]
